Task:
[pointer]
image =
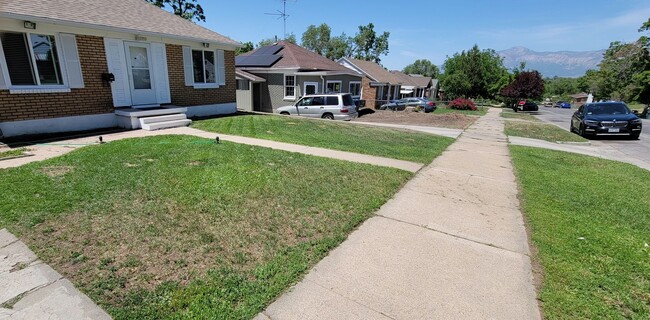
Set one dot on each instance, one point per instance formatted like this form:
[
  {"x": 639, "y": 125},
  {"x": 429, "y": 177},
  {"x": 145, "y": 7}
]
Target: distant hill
[{"x": 571, "y": 64}]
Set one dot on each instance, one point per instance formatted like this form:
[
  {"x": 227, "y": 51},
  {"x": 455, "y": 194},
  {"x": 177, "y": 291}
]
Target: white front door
[
  {"x": 140, "y": 71},
  {"x": 311, "y": 88}
]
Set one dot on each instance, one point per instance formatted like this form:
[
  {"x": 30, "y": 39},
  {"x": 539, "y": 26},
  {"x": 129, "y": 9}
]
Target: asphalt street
[{"x": 639, "y": 149}]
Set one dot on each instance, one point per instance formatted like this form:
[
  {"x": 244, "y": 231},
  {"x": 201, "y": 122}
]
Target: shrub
[{"x": 462, "y": 104}]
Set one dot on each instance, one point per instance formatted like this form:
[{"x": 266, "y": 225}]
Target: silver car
[{"x": 339, "y": 106}]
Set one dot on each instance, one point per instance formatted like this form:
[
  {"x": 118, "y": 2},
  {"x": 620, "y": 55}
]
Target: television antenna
[{"x": 282, "y": 15}]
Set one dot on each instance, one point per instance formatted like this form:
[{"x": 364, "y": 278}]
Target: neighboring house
[
  {"x": 284, "y": 72},
  {"x": 83, "y": 65},
  {"x": 415, "y": 85},
  {"x": 579, "y": 98},
  {"x": 248, "y": 90},
  {"x": 378, "y": 85}
]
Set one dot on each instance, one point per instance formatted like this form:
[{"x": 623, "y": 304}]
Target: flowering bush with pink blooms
[{"x": 462, "y": 104}]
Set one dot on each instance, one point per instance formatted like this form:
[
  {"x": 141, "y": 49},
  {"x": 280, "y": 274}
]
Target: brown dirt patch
[
  {"x": 56, "y": 171},
  {"x": 448, "y": 120}
]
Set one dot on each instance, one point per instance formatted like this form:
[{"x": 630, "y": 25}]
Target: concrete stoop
[{"x": 30, "y": 289}]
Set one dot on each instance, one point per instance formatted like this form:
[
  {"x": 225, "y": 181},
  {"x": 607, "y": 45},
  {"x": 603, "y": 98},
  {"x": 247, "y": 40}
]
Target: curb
[{"x": 586, "y": 143}]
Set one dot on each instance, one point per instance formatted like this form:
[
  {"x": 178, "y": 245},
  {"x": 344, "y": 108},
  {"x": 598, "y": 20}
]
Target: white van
[{"x": 339, "y": 106}]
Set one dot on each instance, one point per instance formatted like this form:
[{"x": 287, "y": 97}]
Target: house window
[
  {"x": 31, "y": 59},
  {"x": 290, "y": 87},
  {"x": 204, "y": 66},
  {"x": 355, "y": 88},
  {"x": 243, "y": 85},
  {"x": 333, "y": 86}
]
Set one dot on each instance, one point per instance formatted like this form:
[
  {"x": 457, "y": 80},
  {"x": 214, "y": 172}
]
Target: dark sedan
[
  {"x": 419, "y": 103},
  {"x": 606, "y": 118},
  {"x": 524, "y": 105}
]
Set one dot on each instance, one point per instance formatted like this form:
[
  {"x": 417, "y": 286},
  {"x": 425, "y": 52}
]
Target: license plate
[{"x": 614, "y": 130}]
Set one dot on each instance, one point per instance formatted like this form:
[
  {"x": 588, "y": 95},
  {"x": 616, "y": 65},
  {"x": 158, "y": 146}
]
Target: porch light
[
  {"x": 29, "y": 25},
  {"x": 205, "y": 44}
]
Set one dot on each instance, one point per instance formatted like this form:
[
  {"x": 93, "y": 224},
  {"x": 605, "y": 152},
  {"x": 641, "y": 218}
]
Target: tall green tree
[
  {"x": 368, "y": 45},
  {"x": 423, "y": 67},
  {"x": 474, "y": 74},
  {"x": 317, "y": 39},
  {"x": 557, "y": 86},
  {"x": 188, "y": 9}
]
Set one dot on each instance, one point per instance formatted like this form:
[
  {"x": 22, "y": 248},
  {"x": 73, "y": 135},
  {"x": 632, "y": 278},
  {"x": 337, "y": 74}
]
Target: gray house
[{"x": 278, "y": 75}]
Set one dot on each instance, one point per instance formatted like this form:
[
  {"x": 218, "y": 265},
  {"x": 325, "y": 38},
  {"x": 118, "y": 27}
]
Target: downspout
[{"x": 322, "y": 78}]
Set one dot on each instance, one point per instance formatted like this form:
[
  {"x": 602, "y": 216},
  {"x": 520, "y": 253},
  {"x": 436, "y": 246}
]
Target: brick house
[
  {"x": 278, "y": 75},
  {"x": 378, "y": 85},
  {"x": 83, "y": 65}
]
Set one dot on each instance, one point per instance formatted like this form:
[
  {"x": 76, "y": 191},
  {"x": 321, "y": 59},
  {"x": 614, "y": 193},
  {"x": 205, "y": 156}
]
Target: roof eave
[{"x": 115, "y": 29}]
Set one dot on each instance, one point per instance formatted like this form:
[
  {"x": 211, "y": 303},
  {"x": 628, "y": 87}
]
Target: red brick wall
[
  {"x": 369, "y": 93},
  {"x": 188, "y": 96},
  {"x": 94, "y": 98}
]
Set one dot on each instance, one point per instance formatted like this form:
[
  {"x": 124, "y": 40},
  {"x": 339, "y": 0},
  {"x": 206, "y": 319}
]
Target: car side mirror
[{"x": 635, "y": 112}]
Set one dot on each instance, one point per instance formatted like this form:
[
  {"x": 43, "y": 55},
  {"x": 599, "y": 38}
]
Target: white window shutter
[
  {"x": 221, "y": 68},
  {"x": 188, "y": 66},
  {"x": 115, "y": 56},
  {"x": 161, "y": 75},
  {"x": 71, "y": 60}
]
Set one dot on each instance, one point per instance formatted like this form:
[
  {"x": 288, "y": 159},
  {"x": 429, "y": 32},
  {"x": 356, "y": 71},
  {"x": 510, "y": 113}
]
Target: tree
[
  {"x": 339, "y": 47},
  {"x": 423, "y": 67},
  {"x": 526, "y": 85},
  {"x": 474, "y": 73},
  {"x": 247, "y": 46},
  {"x": 188, "y": 9},
  {"x": 557, "y": 86},
  {"x": 645, "y": 26},
  {"x": 368, "y": 46},
  {"x": 317, "y": 39},
  {"x": 269, "y": 41}
]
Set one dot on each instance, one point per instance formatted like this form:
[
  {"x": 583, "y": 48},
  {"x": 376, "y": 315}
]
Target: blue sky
[{"x": 421, "y": 29}]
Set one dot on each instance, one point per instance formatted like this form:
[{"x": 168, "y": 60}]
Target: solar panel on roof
[
  {"x": 268, "y": 50},
  {"x": 257, "y": 60}
]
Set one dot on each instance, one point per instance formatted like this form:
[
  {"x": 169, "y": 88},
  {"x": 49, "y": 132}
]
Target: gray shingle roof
[
  {"x": 297, "y": 57},
  {"x": 375, "y": 71},
  {"x": 135, "y": 16}
]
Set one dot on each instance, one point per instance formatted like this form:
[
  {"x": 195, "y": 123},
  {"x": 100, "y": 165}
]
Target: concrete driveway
[{"x": 639, "y": 149}]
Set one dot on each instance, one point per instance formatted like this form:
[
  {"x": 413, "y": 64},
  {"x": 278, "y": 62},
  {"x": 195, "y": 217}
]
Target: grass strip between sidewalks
[
  {"x": 383, "y": 142},
  {"x": 541, "y": 131},
  {"x": 171, "y": 227},
  {"x": 590, "y": 221}
]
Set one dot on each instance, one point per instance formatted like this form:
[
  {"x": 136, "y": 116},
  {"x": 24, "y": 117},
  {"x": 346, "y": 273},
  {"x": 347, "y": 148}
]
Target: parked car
[
  {"x": 562, "y": 104},
  {"x": 525, "y": 105},
  {"x": 401, "y": 104},
  {"x": 606, "y": 118},
  {"x": 339, "y": 106}
]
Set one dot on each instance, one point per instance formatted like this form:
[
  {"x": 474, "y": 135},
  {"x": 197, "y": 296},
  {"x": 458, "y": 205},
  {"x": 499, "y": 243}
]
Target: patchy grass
[
  {"x": 509, "y": 114},
  {"x": 383, "y": 142},
  {"x": 442, "y": 109},
  {"x": 172, "y": 227},
  {"x": 12, "y": 153},
  {"x": 591, "y": 231},
  {"x": 540, "y": 131}
]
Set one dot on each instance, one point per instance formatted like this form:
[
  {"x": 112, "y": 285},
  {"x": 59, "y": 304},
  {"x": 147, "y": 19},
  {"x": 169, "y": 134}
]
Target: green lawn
[
  {"x": 12, "y": 153},
  {"x": 391, "y": 143},
  {"x": 590, "y": 221},
  {"x": 442, "y": 109},
  {"x": 509, "y": 114},
  {"x": 540, "y": 131},
  {"x": 174, "y": 227}
]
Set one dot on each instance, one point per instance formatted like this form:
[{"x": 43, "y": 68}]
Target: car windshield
[{"x": 607, "y": 108}]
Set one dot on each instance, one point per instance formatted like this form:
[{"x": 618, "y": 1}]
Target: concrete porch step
[
  {"x": 170, "y": 117},
  {"x": 166, "y": 124}
]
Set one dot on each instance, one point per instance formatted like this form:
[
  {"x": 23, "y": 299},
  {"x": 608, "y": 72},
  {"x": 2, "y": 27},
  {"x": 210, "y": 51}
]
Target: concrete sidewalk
[
  {"x": 33, "y": 290},
  {"x": 49, "y": 150},
  {"x": 450, "y": 245},
  {"x": 445, "y": 132}
]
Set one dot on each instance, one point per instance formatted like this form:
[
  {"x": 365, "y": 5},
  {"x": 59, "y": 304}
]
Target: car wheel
[
  {"x": 571, "y": 128},
  {"x": 582, "y": 133},
  {"x": 284, "y": 113},
  {"x": 328, "y": 116}
]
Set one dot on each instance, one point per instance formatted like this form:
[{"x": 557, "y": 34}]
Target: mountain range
[{"x": 570, "y": 64}]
